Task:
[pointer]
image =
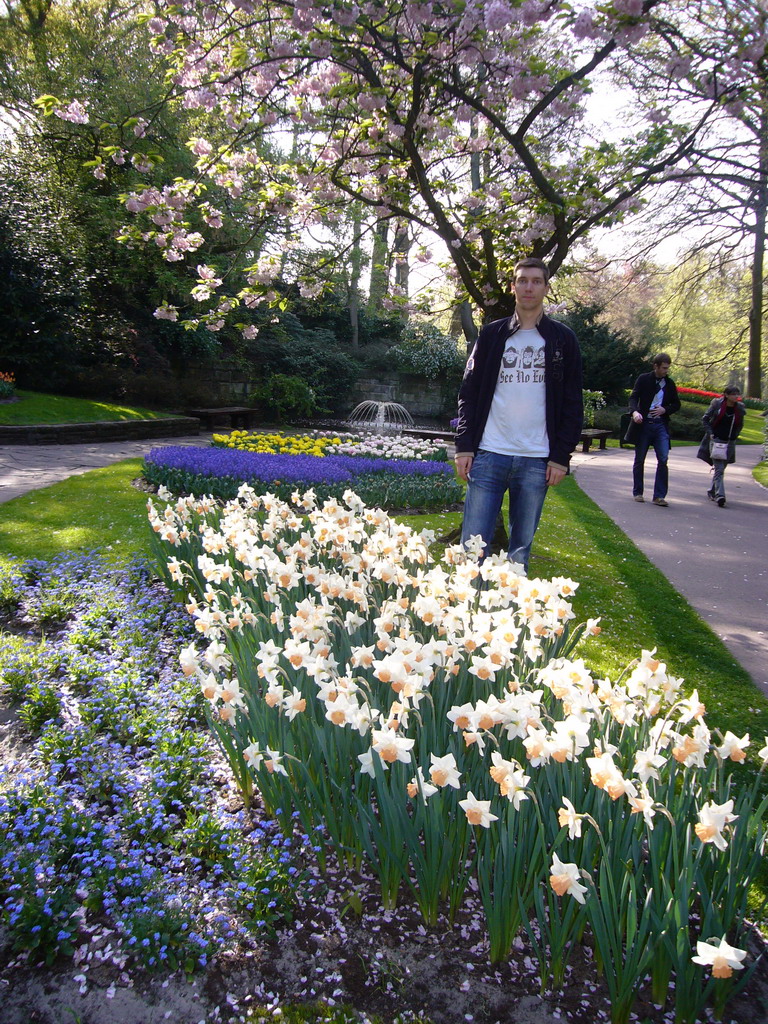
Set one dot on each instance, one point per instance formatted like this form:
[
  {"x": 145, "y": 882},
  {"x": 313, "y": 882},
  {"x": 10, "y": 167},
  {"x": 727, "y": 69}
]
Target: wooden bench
[
  {"x": 429, "y": 434},
  {"x": 226, "y": 417},
  {"x": 590, "y": 434}
]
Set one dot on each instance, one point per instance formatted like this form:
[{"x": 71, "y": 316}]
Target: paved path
[
  {"x": 717, "y": 558},
  {"x": 26, "y": 467}
]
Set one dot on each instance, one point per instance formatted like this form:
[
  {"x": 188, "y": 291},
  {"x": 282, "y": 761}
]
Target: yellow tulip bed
[{"x": 277, "y": 443}]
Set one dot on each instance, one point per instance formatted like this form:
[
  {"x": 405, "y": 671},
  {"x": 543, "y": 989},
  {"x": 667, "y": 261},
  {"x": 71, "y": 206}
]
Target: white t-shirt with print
[{"x": 517, "y": 422}]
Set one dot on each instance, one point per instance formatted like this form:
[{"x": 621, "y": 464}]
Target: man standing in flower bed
[{"x": 520, "y": 414}]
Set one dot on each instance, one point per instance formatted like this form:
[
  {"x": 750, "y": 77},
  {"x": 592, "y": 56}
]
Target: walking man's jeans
[
  {"x": 490, "y": 478},
  {"x": 653, "y": 434}
]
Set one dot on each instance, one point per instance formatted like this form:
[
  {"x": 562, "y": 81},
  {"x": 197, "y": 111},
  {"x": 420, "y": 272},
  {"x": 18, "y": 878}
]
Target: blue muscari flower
[{"x": 299, "y": 469}]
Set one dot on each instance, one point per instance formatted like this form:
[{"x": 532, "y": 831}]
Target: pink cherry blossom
[
  {"x": 166, "y": 313},
  {"x": 76, "y": 112}
]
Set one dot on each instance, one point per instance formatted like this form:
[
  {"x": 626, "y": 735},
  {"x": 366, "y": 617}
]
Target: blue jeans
[
  {"x": 490, "y": 478},
  {"x": 653, "y": 434},
  {"x": 718, "y": 481}
]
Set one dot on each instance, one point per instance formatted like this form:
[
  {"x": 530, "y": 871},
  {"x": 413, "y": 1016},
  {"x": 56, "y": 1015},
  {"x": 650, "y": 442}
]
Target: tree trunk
[
  {"x": 468, "y": 325},
  {"x": 754, "y": 362},
  {"x": 379, "y": 276},
  {"x": 400, "y": 248},
  {"x": 355, "y": 265}
]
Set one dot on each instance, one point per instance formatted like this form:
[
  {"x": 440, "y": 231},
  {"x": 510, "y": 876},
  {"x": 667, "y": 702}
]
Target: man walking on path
[
  {"x": 520, "y": 414},
  {"x": 653, "y": 400}
]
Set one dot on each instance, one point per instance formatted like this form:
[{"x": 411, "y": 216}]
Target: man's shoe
[
  {"x": 711, "y": 495},
  {"x": 721, "y": 502},
  {"x": 638, "y": 497},
  {"x": 661, "y": 501}
]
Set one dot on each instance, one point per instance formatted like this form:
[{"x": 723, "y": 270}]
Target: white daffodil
[
  {"x": 537, "y": 746},
  {"x": 294, "y": 704},
  {"x": 646, "y": 763},
  {"x": 391, "y": 746},
  {"x": 188, "y": 660},
  {"x": 253, "y": 756},
  {"x": 733, "y": 747},
  {"x": 565, "y": 879},
  {"x": 216, "y": 656},
  {"x": 569, "y": 739},
  {"x": 712, "y": 820},
  {"x": 419, "y": 784},
  {"x": 273, "y": 762},
  {"x": 722, "y": 958},
  {"x": 478, "y": 812},
  {"x": 690, "y": 708},
  {"x": 366, "y": 764},
  {"x": 643, "y": 804},
  {"x": 568, "y": 818},
  {"x": 443, "y": 771}
]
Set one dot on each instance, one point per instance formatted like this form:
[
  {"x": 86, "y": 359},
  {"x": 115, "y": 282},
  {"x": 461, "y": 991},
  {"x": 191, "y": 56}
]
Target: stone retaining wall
[
  {"x": 420, "y": 397},
  {"x": 112, "y": 430}
]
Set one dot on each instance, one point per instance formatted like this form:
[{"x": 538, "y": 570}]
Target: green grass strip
[
  {"x": 97, "y": 509},
  {"x": 753, "y": 431},
  {"x": 35, "y": 408}
]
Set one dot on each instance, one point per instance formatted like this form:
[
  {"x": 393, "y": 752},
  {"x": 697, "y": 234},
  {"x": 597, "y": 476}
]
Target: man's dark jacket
[
  {"x": 564, "y": 402},
  {"x": 641, "y": 398}
]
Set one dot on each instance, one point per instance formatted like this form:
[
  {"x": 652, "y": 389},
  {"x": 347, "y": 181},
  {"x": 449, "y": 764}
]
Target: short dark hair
[
  {"x": 662, "y": 357},
  {"x": 732, "y": 389},
  {"x": 532, "y": 261}
]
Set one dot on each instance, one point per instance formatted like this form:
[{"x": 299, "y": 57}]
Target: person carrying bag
[{"x": 722, "y": 421}]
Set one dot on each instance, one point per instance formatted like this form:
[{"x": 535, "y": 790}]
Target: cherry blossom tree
[{"x": 462, "y": 120}]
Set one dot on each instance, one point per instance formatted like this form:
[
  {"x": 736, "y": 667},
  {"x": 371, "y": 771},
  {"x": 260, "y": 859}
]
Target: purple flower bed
[
  {"x": 116, "y": 833},
  {"x": 384, "y": 483},
  {"x": 299, "y": 469}
]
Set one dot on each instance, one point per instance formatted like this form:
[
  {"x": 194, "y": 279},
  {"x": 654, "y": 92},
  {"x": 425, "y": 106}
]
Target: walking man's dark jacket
[
  {"x": 564, "y": 401},
  {"x": 640, "y": 400}
]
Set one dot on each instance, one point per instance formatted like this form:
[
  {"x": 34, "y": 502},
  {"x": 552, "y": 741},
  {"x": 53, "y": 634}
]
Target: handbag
[{"x": 719, "y": 449}]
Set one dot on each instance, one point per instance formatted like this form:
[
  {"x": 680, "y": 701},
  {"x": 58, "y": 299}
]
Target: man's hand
[
  {"x": 637, "y": 416},
  {"x": 463, "y": 465},
  {"x": 554, "y": 475},
  {"x": 658, "y": 412}
]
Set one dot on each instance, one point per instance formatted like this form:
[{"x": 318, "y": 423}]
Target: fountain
[{"x": 383, "y": 417}]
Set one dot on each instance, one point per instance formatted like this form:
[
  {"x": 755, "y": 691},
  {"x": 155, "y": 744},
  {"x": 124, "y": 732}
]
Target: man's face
[
  {"x": 530, "y": 288},
  {"x": 662, "y": 369}
]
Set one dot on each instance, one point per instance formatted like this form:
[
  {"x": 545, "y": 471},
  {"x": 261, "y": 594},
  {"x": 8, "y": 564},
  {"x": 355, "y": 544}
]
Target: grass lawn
[
  {"x": 36, "y": 407},
  {"x": 637, "y": 605},
  {"x": 753, "y": 431},
  {"x": 99, "y": 509},
  {"x": 760, "y": 473}
]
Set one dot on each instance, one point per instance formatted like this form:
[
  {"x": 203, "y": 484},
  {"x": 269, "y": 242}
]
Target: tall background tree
[{"x": 715, "y": 53}]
